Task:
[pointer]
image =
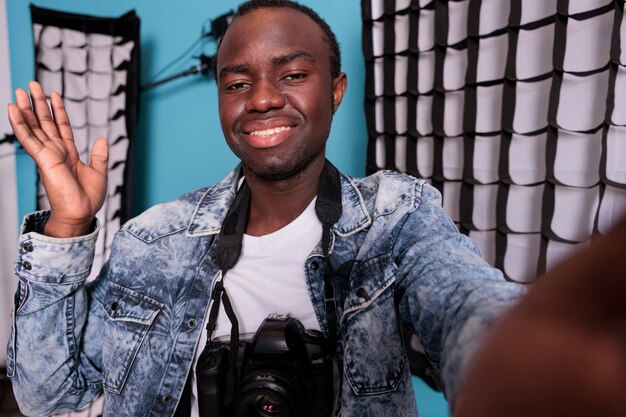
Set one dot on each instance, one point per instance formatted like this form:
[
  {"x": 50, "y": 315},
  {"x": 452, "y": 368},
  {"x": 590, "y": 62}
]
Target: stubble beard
[{"x": 282, "y": 170}]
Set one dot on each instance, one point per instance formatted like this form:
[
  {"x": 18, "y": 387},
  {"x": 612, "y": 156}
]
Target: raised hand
[{"x": 76, "y": 191}]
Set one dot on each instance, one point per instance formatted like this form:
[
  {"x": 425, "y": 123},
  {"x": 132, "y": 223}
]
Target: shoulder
[
  {"x": 385, "y": 191},
  {"x": 198, "y": 212},
  {"x": 382, "y": 198},
  {"x": 166, "y": 218}
]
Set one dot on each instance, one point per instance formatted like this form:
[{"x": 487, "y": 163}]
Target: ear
[{"x": 340, "y": 84}]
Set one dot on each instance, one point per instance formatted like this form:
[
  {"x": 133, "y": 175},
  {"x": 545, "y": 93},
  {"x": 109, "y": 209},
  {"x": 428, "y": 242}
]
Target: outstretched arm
[
  {"x": 76, "y": 191},
  {"x": 562, "y": 350}
]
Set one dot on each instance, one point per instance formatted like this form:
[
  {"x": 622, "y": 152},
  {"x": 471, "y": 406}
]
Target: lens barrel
[{"x": 269, "y": 393}]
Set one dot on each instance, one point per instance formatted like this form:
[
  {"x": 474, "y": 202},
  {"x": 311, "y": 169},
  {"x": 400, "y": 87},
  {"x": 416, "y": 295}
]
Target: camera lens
[
  {"x": 268, "y": 405},
  {"x": 266, "y": 393}
]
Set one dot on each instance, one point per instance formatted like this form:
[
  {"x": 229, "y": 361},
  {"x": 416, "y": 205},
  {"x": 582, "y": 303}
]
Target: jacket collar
[{"x": 210, "y": 211}]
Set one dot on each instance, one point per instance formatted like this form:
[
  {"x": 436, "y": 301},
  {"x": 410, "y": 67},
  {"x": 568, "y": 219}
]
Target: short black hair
[{"x": 329, "y": 36}]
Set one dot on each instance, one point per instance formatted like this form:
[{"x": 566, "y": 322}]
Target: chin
[
  {"x": 278, "y": 170},
  {"x": 277, "y": 167},
  {"x": 274, "y": 173}
]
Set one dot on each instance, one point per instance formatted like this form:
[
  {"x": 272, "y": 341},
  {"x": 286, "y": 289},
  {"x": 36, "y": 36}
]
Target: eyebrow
[
  {"x": 233, "y": 69},
  {"x": 276, "y": 61},
  {"x": 292, "y": 56}
]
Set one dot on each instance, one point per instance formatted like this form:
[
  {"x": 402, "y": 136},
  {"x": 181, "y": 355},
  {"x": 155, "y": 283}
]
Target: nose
[{"x": 264, "y": 96}]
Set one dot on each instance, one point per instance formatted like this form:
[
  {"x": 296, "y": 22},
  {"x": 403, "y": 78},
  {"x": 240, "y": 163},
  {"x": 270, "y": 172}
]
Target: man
[{"x": 389, "y": 255}]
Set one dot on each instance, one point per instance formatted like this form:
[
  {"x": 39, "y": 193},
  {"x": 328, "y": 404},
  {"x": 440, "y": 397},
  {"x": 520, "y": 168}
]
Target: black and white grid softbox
[
  {"x": 511, "y": 109},
  {"x": 93, "y": 63}
]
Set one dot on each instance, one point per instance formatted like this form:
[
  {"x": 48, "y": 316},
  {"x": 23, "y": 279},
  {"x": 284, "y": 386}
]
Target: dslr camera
[{"x": 283, "y": 371}]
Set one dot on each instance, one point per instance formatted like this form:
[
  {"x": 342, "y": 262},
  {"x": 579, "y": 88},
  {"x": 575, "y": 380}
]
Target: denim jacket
[{"x": 133, "y": 332}]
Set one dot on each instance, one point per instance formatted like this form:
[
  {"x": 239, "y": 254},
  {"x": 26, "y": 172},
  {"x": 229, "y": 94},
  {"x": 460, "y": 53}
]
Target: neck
[{"x": 275, "y": 204}]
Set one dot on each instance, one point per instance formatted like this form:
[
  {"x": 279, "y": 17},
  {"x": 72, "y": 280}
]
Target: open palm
[{"x": 76, "y": 191}]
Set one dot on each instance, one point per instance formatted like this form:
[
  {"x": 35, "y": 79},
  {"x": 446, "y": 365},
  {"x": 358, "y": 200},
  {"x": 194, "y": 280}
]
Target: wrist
[{"x": 66, "y": 229}]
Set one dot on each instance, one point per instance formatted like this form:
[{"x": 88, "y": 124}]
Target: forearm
[
  {"x": 45, "y": 351},
  {"x": 469, "y": 326},
  {"x": 451, "y": 296},
  {"x": 452, "y": 304}
]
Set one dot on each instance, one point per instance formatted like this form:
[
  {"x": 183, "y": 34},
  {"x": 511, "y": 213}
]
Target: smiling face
[{"x": 276, "y": 93}]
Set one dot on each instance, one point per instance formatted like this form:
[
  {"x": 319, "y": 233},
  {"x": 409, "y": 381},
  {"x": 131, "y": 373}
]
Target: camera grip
[{"x": 211, "y": 373}]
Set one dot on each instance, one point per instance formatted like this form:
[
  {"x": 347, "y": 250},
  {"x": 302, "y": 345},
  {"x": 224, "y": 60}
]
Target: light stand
[{"x": 207, "y": 63}]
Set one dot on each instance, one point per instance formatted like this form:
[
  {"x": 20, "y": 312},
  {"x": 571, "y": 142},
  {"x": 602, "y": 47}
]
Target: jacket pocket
[
  {"x": 374, "y": 357},
  {"x": 129, "y": 316}
]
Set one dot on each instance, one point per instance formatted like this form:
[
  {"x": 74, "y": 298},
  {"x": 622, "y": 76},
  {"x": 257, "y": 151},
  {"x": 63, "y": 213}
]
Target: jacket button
[
  {"x": 28, "y": 247},
  {"x": 27, "y": 266},
  {"x": 192, "y": 323},
  {"x": 114, "y": 305},
  {"x": 361, "y": 293},
  {"x": 315, "y": 266},
  {"x": 166, "y": 399}
]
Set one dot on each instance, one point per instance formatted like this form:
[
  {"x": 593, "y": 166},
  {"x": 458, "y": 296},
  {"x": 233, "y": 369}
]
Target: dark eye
[
  {"x": 236, "y": 85},
  {"x": 295, "y": 76}
]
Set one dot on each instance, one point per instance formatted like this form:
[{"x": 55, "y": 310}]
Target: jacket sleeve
[
  {"x": 450, "y": 295},
  {"x": 54, "y": 350}
]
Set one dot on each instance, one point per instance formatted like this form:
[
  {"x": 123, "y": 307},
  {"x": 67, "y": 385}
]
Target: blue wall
[{"x": 179, "y": 146}]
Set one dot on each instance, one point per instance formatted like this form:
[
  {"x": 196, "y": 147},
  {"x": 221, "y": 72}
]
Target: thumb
[{"x": 100, "y": 156}]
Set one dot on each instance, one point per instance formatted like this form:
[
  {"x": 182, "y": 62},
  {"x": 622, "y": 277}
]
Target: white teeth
[{"x": 270, "y": 131}]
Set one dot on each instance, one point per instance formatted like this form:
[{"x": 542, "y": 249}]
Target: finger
[
  {"x": 24, "y": 135},
  {"x": 60, "y": 117},
  {"x": 42, "y": 110},
  {"x": 23, "y": 103},
  {"x": 62, "y": 122},
  {"x": 100, "y": 156}
]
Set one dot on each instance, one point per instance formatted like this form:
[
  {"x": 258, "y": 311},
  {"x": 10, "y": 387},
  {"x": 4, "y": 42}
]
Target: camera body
[{"x": 284, "y": 370}]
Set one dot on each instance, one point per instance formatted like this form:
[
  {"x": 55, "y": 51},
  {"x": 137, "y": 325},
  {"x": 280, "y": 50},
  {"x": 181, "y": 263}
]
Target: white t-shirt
[{"x": 268, "y": 278}]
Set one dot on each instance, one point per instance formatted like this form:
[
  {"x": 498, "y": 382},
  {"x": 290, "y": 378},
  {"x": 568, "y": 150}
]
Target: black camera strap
[
  {"x": 328, "y": 209},
  {"x": 228, "y": 252}
]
